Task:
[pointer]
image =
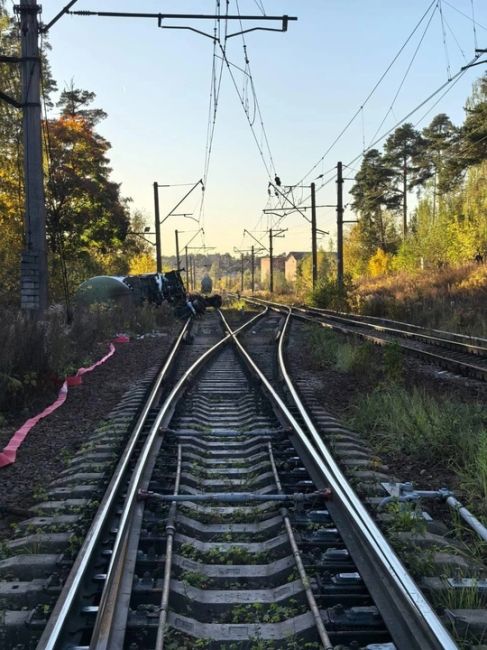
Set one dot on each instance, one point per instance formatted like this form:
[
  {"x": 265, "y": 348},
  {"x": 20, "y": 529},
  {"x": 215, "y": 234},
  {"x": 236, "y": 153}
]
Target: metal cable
[
  {"x": 445, "y": 44},
  {"x": 403, "y": 80},
  {"x": 371, "y": 93}
]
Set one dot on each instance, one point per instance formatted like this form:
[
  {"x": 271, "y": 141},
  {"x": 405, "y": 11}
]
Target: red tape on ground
[{"x": 9, "y": 453}]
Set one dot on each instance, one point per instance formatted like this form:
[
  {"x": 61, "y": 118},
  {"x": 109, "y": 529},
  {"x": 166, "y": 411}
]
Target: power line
[
  {"x": 474, "y": 27},
  {"x": 447, "y": 83},
  {"x": 254, "y": 93},
  {"x": 470, "y": 18},
  {"x": 371, "y": 93},
  {"x": 445, "y": 45},
  {"x": 232, "y": 76},
  {"x": 403, "y": 80},
  {"x": 216, "y": 80},
  {"x": 260, "y": 6},
  {"x": 455, "y": 39}
]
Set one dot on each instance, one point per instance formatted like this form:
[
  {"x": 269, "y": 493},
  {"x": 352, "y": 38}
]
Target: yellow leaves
[
  {"x": 144, "y": 263},
  {"x": 476, "y": 279},
  {"x": 379, "y": 263}
]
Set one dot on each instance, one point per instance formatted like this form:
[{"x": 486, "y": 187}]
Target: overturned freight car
[
  {"x": 154, "y": 288},
  {"x": 148, "y": 287}
]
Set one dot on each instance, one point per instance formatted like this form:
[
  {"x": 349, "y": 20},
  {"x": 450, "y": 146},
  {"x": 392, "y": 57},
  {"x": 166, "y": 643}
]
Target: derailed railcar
[
  {"x": 154, "y": 288},
  {"x": 148, "y": 287}
]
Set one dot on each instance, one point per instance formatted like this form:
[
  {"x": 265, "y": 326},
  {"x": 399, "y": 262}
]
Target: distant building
[
  {"x": 279, "y": 264},
  {"x": 293, "y": 259}
]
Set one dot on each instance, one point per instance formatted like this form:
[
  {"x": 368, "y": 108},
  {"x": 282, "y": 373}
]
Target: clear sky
[{"x": 155, "y": 86}]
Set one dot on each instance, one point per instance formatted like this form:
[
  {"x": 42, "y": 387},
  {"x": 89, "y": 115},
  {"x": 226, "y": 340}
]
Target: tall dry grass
[
  {"x": 450, "y": 298},
  {"x": 35, "y": 354}
]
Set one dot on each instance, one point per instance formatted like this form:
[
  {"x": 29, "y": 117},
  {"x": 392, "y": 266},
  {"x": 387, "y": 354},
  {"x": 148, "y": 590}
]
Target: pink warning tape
[{"x": 9, "y": 453}]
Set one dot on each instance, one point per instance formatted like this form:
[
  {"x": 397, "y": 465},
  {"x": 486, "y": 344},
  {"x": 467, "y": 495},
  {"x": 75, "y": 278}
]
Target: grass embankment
[
  {"x": 451, "y": 299},
  {"x": 35, "y": 356},
  {"x": 409, "y": 423}
]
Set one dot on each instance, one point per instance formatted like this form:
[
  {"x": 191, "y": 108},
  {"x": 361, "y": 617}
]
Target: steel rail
[
  {"x": 474, "y": 340},
  {"x": 428, "y": 633},
  {"x": 467, "y": 348},
  {"x": 78, "y": 571},
  {"x": 170, "y": 532},
  {"x": 455, "y": 364},
  {"x": 101, "y": 635},
  {"x": 464, "y": 367},
  {"x": 322, "y": 632},
  {"x": 421, "y": 334}
]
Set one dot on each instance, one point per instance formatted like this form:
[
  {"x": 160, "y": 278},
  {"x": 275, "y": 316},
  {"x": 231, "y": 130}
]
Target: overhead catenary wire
[
  {"x": 371, "y": 93},
  {"x": 215, "y": 87},
  {"x": 248, "y": 72},
  {"x": 405, "y": 76},
  {"x": 474, "y": 26},
  {"x": 447, "y": 83},
  {"x": 221, "y": 43},
  {"x": 470, "y": 18},
  {"x": 457, "y": 156},
  {"x": 445, "y": 44},
  {"x": 232, "y": 76}
]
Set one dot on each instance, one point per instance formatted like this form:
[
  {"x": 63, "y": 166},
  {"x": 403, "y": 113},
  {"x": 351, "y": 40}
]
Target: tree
[
  {"x": 304, "y": 275},
  {"x": 474, "y": 130},
  {"x": 73, "y": 102},
  {"x": 87, "y": 219},
  {"x": 374, "y": 196},
  {"x": 439, "y": 156},
  {"x": 403, "y": 152}
]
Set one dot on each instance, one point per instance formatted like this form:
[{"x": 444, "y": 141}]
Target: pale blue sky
[{"x": 154, "y": 84}]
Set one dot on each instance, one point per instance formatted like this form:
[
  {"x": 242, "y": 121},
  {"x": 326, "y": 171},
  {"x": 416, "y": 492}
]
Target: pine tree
[
  {"x": 374, "y": 196},
  {"x": 403, "y": 153}
]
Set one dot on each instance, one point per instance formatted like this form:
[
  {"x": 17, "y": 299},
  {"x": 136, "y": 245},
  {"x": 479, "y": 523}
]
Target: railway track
[
  {"x": 227, "y": 524},
  {"x": 460, "y": 354}
]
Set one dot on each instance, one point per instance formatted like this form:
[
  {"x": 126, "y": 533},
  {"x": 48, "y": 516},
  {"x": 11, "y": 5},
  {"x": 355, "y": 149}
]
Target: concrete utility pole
[
  {"x": 186, "y": 265},
  {"x": 314, "y": 253},
  {"x": 271, "y": 265},
  {"x": 252, "y": 268},
  {"x": 178, "y": 262},
  {"x": 272, "y": 235},
  {"x": 194, "y": 273},
  {"x": 34, "y": 285},
  {"x": 314, "y": 229},
  {"x": 241, "y": 272},
  {"x": 339, "y": 226},
  {"x": 157, "y": 228}
]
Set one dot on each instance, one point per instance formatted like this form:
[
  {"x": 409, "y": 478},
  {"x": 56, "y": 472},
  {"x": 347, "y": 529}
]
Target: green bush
[
  {"x": 419, "y": 426},
  {"x": 328, "y": 295},
  {"x": 324, "y": 347}
]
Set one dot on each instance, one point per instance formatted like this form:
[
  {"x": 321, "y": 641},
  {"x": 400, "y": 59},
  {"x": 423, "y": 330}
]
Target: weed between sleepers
[
  {"x": 231, "y": 555},
  {"x": 175, "y": 640}
]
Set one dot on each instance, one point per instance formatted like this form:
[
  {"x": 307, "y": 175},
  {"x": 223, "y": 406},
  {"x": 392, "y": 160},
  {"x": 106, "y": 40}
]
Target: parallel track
[
  {"x": 458, "y": 353},
  {"x": 224, "y": 536}
]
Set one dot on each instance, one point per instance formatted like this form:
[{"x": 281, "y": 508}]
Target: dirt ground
[{"x": 41, "y": 456}]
